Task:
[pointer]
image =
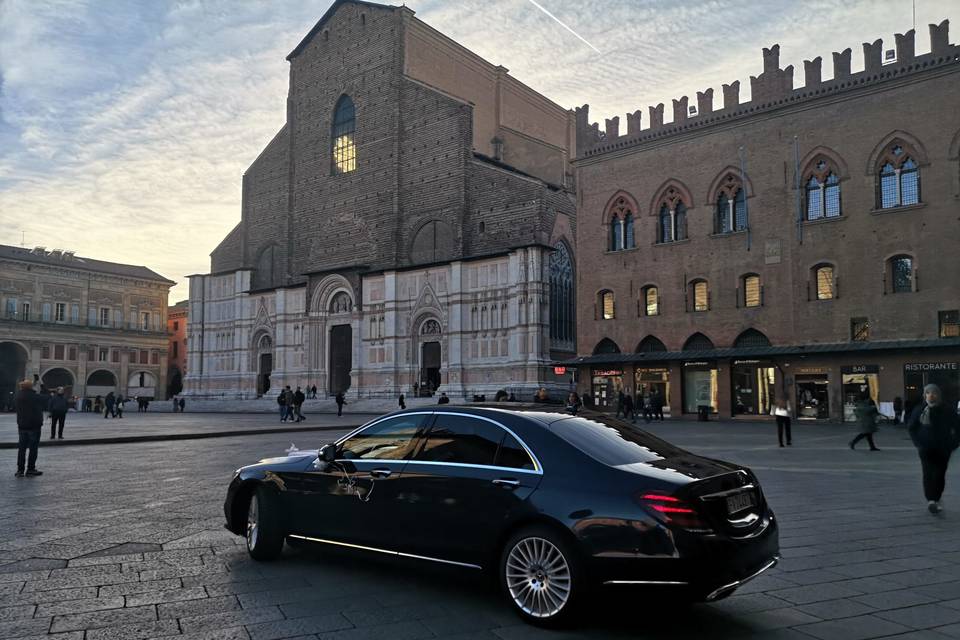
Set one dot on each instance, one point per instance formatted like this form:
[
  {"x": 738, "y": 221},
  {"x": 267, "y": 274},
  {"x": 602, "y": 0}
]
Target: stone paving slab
[{"x": 126, "y": 542}]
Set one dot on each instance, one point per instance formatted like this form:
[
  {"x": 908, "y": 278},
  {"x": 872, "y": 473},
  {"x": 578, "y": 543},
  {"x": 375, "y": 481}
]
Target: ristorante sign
[{"x": 931, "y": 366}]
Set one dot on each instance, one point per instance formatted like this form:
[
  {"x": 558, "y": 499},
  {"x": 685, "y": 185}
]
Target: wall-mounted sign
[
  {"x": 861, "y": 368},
  {"x": 772, "y": 252},
  {"x": 746, "y": 362},
  {"x": 559, "y": 370},
  {"x": 607, "y": 372},
  {"x": 931, "y": 366},
  {"x": 696, "y": 364},
  {"x": 803, "y": 370}
]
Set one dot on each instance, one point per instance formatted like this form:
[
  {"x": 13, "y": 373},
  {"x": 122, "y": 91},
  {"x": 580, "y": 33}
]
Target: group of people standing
[{"x": 649, "y": 406}]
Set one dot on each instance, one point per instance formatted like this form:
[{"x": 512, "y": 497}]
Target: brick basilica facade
[
  {"x": 802, "y": 245},
  {"x": 410, "y": 227}
]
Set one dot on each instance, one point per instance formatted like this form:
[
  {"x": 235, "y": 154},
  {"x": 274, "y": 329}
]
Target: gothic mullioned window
[
  {"x": 342, "y": 142},
  {"x": 671, "y": 216},
  {"x": 561, "y": 297},
  {"x": 898, "y": 177},
  {"x": 731, "y": 214},
  {"x": 822, "y": 190},
  {"x": 621, "y": 215}
]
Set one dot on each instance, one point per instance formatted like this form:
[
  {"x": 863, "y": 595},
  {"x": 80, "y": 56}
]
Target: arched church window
[
  {"x": 342, "y": 143},
  {"x": 561, "y": 297}
]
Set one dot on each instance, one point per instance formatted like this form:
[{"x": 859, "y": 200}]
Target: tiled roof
[{"x": 70, "y": 261}]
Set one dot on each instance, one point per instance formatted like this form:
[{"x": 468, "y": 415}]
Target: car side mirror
[{"x": 328, "y": 453}]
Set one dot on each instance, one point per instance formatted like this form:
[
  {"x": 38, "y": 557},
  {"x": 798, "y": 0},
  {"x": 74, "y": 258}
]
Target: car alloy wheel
[
  {"x": 538, "y": 577},
  {"x": 253, "y": 524}
]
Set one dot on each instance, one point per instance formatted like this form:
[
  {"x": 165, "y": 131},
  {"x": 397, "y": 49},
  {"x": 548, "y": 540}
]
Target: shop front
[
  {"x": 916, "y": 375},
  {"x": 606, "y": 384},
  {"x": 812, "y": 386},
  {"x": 653, "y": 379},
  {"x": 700, "y": 386},
  {"x": 753, "y": 387},
  {"x": 858, "y": 382}
]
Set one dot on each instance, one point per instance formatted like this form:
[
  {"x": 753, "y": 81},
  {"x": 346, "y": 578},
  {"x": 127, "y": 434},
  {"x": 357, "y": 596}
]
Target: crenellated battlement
[{"x": 772, "y": 89}]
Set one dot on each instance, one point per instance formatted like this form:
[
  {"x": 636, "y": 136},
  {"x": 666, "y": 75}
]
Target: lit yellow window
[
  {"x": 607, "y": 303},
  {"x": 653, "y": 302},
  {"x": 701, "y": 299},
  {"x": 825, "y": 283},
  {"x": 751, "y": 291}
]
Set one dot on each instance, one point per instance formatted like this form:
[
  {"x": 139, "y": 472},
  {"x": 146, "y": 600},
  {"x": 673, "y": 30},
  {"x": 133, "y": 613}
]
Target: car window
[
  {"x": 513, "y": 455},
  {"x": 461, "y": 439},
  {"x": 613, "y": 442},
  {"x": 391, "y": 439}
]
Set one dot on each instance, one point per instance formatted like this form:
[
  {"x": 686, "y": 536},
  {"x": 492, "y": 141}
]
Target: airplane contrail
[{"x": 581, "y": 38}]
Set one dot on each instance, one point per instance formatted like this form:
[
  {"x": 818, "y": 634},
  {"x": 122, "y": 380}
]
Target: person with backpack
[{"x": 935, "y": 431}]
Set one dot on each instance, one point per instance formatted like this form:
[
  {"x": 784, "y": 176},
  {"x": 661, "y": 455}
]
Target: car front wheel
[
  {"x": 264, "y": 535},
  {"x": 540, "y": 576}
]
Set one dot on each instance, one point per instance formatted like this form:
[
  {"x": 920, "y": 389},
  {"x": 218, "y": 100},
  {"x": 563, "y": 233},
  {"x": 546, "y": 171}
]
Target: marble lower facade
[{"x": 463, "y": 328}]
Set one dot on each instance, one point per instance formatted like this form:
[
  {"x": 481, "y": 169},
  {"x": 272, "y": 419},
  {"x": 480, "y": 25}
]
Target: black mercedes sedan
[{"x": 554, "y": 505}]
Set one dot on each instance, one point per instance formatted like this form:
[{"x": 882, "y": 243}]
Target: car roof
[{"x": 544, "y": 413}]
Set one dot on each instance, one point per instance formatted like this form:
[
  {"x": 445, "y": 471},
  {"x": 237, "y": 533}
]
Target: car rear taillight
[{"x": 674, "y": 511}]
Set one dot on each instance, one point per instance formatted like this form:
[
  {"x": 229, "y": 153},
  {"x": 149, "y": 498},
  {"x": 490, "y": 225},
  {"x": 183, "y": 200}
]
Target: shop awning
[{"x": 761, "y": 352}]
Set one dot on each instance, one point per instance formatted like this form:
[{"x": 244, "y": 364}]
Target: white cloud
[{"x": 125, "y": 128}]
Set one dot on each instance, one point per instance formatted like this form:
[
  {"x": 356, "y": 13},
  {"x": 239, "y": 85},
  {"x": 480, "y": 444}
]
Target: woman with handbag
[{"x": 866, "y": 412}]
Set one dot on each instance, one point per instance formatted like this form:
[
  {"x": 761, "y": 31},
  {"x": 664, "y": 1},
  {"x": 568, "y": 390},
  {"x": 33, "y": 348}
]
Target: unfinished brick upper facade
[{"x": 459, "y": 168}]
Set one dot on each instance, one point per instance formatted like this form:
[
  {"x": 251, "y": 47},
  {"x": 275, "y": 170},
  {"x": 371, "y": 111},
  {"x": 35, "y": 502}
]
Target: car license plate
[{"x": 740, "y": 501}]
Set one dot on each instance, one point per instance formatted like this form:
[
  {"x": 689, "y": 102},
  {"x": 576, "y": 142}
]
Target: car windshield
[{"x": 613, "y": 442}]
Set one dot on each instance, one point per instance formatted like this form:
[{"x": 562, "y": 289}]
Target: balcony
[{"x": 36, "y": 318}]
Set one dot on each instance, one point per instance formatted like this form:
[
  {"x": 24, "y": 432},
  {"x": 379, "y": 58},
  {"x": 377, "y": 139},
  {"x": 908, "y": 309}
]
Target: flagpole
[
  {"x": 796, "y": 167},
  {"x": 743, "y": 183}
]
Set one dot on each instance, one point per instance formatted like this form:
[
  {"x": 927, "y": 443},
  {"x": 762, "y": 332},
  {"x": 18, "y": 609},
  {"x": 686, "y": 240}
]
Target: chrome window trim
[
  {"x": 385, "y": 551},
  {"x": 537, "y": 470},
  {"x": 475, "y": 466},
  {"x": 537, "y": 467}
]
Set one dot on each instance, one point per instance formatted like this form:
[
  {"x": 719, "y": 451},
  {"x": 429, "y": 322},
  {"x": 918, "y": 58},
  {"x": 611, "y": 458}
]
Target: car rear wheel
[
  {"x": 264, "y": 536},
  {"x": 541, "y": 577}
]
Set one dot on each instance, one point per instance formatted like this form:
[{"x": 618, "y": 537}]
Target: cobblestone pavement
[
  {"x": 87, "y": 426},
  {"x": 126, "y": 542}
]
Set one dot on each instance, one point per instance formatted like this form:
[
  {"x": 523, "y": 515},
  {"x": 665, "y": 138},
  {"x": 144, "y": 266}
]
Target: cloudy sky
[{"x": 125, "y": 125}]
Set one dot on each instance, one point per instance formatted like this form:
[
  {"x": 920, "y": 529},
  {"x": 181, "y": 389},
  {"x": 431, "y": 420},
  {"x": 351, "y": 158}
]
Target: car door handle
[
  {"x": 507, "y": 483},
  {"x": 380, "y": 473}
]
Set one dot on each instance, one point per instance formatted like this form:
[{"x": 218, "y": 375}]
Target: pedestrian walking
[
  {"x": 110, "y": 406},
  {"x": 340, "y": 402},
  {"x": 29, "y": 406},
  {"x": 58, "y": 413},
  {"x": 781, "y": 411},
  {"x": 935, "y": 431},
  {"x": 97, "y": 404},
  {"x": 897, "y": 410},
  {"x": 443, "y": 398},
  {"x": 313, "y": 391},
  {"x": 288, "y": 402},
  {"x": 119, "y": 405},
  {"x": 298, "y": 399},
  {"x": 282, "y": 403},
  {"x": 619, "y": 405},
  {"x": 401, "y": 402},
  {"x": 628, "y": 408},
  {"x": 866, "y": 413},
  {"x": 656, "y": 405},
  {"x": 176, "y": 405},
  {"x": 183, "y": 403}
]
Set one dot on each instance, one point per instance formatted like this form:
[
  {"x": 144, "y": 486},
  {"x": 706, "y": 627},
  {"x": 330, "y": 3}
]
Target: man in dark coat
[
  {"x": 29, "y": 406},
  {"x": 340, "y": 402},
  {"x": 628, "y": 407},
  {"x": 656, "y": 404},
  {"x": 298, "y": 399},
  {"x": 866, "y": 413},
  {"x": 58, "y": 413},
  {"x": 110, "y": 402},
  {"x": 935, "y": 431}
]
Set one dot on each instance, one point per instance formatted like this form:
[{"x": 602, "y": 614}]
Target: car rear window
[{"x": 612, "y": 442}]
